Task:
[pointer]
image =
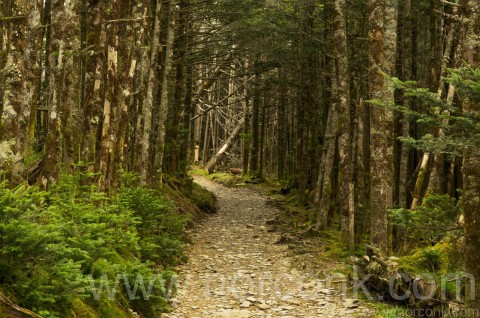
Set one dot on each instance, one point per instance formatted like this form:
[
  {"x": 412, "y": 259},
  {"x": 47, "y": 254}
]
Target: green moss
[
  {"x": 203, "y": 198},
  {"x": 441, "y": 259},
  {"x": 198, "y": 172},
  {"x": 335, "y": 247},
  {"x": 81, "y": 310},
  {"x": 224, "y": 178},
  {"x": 32, "y": 157},
  {"x": 109, "y": 310}
]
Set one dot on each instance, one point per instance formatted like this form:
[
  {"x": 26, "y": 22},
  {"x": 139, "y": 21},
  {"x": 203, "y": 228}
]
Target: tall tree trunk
[
  {"x": 434, "y": 47},
  {"x": 21, "y": 49},
  {"x": 325, "y": 182},
  {"x": 281, "y": 126},
  {"x": 34, "y": 59},
  {"x": 381, "y": 58},
  {"x": 146, "y": 133},
  {"x": 406, "y": 161},
  {"x": 60, "y": 53},
  {"x": 261, "y": 163},
  {"x": 188, "y": 113},
  {"x": 126, "y": 73},
  {"x": 181, "y": 46},
  {"x": 471, "y": 165},
  {"x": 164, "y": 97},
  {"x": 143, "y": 51},
  {"x": 254, "y": 147},
  {"x": 246, "y": 127},
  {"x": 94, "y": 86},
  {"x": 111, "y": 102},
  {"x": 341, "y": 96}
]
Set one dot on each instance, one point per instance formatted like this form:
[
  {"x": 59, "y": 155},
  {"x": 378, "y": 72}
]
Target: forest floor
[{"x": 237, "y": 268}]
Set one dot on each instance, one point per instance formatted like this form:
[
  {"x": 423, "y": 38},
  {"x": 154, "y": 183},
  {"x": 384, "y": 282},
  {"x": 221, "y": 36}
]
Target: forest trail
[{"x": 235, "y": 269}]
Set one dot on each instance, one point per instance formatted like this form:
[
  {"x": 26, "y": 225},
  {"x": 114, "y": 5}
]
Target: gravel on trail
[{"x": 236, "y": 270}]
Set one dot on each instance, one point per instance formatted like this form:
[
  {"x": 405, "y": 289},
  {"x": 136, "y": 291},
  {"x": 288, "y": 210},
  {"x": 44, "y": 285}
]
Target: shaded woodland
[{"x": 357, "y": 107}]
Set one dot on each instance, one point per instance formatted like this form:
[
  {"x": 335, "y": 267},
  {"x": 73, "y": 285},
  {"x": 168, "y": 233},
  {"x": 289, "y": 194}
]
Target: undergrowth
[{"x": 58, "y": 248}]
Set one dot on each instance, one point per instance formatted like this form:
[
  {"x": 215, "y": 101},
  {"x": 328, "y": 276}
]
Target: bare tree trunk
[
  {"x": 261, "y": 162},
  {"x": 189, "y": 110},
  {"x": 163, "y": 107},
  {"x": 181, "y": 46},
  {"x": 254, "y": 147},
  {"x": 141, "y": 80},
  {"x": 281, "y": 127},
  {"x": 246, "y": 127},
  {"x": 341, "y": 95},
  {"x": 206, "y": 138},
  {"x": 146, "y": 134},
  {"x": 406, "y": 160},
  {"x": 434, "y": 47},
  {"x": 325, "y": 182}
]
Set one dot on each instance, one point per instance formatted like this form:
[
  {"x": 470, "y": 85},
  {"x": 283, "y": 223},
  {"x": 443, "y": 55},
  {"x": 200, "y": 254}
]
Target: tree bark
[
  {"x": 381, "y": 132},
  {"x": 246, "y": 126},
  {"x": 341, "y": 96},
  {"x": 163, "y": 106},
  {"x": 253, "y": 168},
  {"x": 181, "y": 45},
  {"x": 110, "y": 102},
  {"x": 20, "y": 83},
  {"x": 471, "y": 164},
  {"x": 146, "y": 134},
  {"x": 58, "y": 59},
  {"x": 281, "y": 126}
]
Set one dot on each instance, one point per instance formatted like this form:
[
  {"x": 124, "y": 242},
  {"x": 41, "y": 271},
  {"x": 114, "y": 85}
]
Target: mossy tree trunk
[
  {"x": 20, "y": 81},
  {"x": 60, "y": 61},
  {"x": 382, "y": 42}
]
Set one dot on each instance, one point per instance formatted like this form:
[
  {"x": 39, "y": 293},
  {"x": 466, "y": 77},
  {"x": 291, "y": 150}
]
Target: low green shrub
[
  {"x": 431, "y": 258},
  {"x": 58, "y": 247},
  {"x": 435, "y": 220}
]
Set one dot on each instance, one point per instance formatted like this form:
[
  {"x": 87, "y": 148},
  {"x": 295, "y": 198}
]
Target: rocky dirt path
[{"x": 235, "y": 269}]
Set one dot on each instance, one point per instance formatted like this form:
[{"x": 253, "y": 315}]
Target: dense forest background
[{"x": 358, "y": 107}]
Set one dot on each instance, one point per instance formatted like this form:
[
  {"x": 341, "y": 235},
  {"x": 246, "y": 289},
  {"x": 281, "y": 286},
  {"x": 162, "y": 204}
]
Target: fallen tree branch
[
  {"x": 12, "y": 310},
  {"x": 18, "y": 17},
  {"x": 211, "y": 164}
]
